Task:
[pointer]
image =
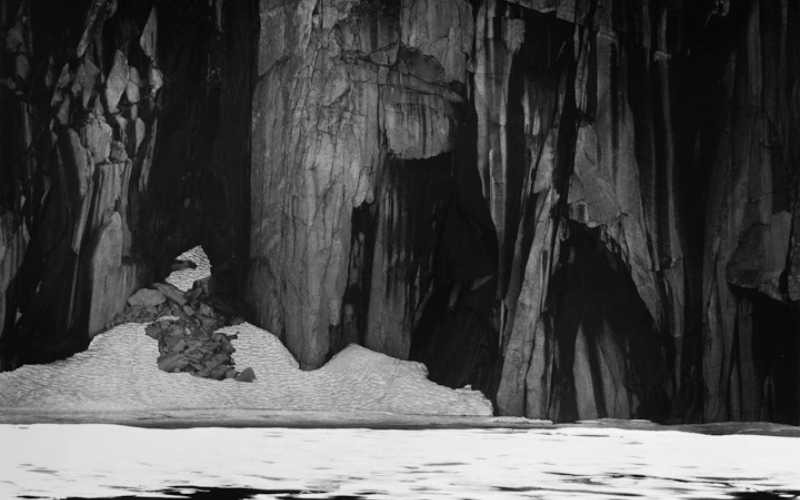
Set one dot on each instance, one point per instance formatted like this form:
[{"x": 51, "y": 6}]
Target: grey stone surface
[{"x": 146, "y": 297}]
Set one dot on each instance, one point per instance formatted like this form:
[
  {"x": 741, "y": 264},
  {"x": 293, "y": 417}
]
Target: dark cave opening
[
  {"x": 456, "y": 336},
  {"x": 431, "y": 240},
  {"x": 199, "y": 180},
  {"x": 623, "y": 360},
  {"x": 776, "y": 351},
  {"x": 355, "y": 300}
]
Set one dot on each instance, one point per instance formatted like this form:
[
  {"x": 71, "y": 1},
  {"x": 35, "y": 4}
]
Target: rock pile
[
  {"x": 184, "y": 326},
  {"x": 187, "y": 347}
]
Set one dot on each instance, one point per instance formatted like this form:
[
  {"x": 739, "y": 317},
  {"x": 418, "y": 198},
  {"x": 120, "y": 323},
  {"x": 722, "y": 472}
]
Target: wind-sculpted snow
[
  {"x": 118, "y": 372},
  {"x": 183, "y": 279}
]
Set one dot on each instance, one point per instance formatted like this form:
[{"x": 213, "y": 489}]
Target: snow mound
[{"x": 118, "y": 373}]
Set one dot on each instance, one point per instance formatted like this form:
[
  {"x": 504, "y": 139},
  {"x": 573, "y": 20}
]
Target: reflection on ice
[{"x": 90, "y": 461}]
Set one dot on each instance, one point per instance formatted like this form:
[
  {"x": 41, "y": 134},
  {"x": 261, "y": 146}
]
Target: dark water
[
  {"x": 106, "y": 461},
  {"x": 249, "y": 493},
  {"x": 244, "y": 493}
]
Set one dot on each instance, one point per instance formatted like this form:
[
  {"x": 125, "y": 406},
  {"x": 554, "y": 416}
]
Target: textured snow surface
[
  {"x": 118, "y": 372},
  {"x": 58, "y": 461},
  {"x": 185, "y": 278}
]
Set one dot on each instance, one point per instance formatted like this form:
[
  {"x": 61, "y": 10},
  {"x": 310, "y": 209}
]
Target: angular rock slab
[
  {"x": 146, "y": 297},
  {"x": 117, "y": 81},
  {"x": 171, "y": 292}
]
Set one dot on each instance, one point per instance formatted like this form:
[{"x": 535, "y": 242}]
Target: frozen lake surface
[{"x": 111, "y": 461}]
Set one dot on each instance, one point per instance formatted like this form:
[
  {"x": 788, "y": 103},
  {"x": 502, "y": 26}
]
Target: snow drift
[{"x": 118, "y": 373}]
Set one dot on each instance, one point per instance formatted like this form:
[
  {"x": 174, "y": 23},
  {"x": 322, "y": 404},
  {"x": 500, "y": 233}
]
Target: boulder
[
  {"x": 187, "y": 345},
  {"x": 171, "y": 292},
  {"x": 146, "y": 297},
  {"x": 247, "y": 375},
  {"x": 172, "y": 362}
]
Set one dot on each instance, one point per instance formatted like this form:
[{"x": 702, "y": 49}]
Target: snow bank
[{"x": 118, "y": 373}]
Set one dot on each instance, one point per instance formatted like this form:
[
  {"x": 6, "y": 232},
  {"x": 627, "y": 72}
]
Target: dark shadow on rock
[{"x": 604, "y": 336}]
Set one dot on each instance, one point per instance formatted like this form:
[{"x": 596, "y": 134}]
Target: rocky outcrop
[
  {"x": 355, "y": 102},
  {"x": 112, "y": 125},
  {"x": 750, "y": 274},
  {"x": 584, "y": 209},
  {"x": 83, "y": 136},
  {"x": 536, "y": 197}
]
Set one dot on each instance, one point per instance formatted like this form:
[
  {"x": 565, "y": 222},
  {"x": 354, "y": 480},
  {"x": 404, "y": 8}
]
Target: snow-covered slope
[{"x": 118, "y": 372}]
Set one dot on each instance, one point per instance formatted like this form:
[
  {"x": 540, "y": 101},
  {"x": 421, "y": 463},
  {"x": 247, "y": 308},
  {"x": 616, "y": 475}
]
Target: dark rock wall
[
  {"x": 594, "y": 139},
  {"x": 114, "y": 118},
  {"x": 79, "y": 93},
  {"x": 750, "y": 259}
]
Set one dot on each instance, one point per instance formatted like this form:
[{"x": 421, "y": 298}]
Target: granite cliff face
[
  {"x": 355, "y": 120},
  {"x": 584, "y": 209}
]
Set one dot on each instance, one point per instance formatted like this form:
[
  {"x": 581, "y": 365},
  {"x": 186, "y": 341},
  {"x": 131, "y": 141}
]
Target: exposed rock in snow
[
  {"x": 171, "y": 292},
  {"x": 146, "y": 297}
]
